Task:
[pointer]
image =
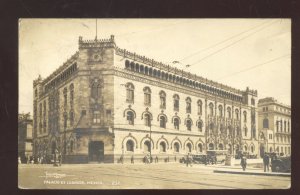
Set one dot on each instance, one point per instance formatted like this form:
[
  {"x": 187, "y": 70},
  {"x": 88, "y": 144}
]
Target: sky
[{"x": 240, "y": 53}]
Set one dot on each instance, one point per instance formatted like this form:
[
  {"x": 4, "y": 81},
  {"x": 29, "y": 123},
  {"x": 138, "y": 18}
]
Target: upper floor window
[
  {"x": 266, "y": 123},
  {"x": 129, "y": 92},
  {"x": 211, "y": 109},
  {"x": 176, "y": 102},
  {"x": 72, "y": 96},
  {"x": 72, "y": 117},
  {"x": 199, "y": 103},
  {"x": 130, "y": 117},
  {"x": 220, "y": 111},
  {"x": 147, "y": 96},
  {"x": 96, "y": 117},
  {"x": 288, "y": 126},
  {"x": 199, "y": 125},
  {"x": 162, "y": 96},
  {"x": 277, "y": 126},
  {"x": 245, "y": 116},
  {"x": 147, "y": 119},
  {"x": 176, "y": 123},
  {"x": 284, "y": 126},
  {"x": 65, "y": 98},
  {"x": 189, "y": 124},
  {"x": 188, "y": 105},
  {"x": 95, "y": 93},
  {"x": 237, "y": 116},
  {"x": 162, "y": 121},
  {"x": 229, "y": 112}
]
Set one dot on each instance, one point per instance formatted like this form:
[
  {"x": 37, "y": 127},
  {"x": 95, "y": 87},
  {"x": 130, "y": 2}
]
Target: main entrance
[{"x": 96, "y": 151}]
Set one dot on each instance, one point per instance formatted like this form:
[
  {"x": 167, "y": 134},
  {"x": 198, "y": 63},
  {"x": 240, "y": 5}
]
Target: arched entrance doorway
[
  {"x": 96, "y": 151},
  {"x": 147, "y": 146},
  {"x": 211, "y": 146},
  {"x": 221, "y": 147},
  {"x": 53, "y": 147}
]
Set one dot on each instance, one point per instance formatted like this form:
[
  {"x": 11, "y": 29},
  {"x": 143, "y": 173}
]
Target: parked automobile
[
  {"x": 281, "y": 164},
  {"x": 216, "y": 156}
]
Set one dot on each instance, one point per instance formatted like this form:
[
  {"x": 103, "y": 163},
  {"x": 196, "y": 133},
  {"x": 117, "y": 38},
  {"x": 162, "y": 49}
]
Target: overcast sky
[{"x": 235, "y": 52}]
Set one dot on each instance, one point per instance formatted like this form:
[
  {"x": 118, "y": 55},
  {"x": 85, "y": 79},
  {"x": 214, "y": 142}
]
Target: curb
[{"x": 253, "y": 173}]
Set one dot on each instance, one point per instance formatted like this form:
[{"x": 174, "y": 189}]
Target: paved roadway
[{"x": 141, "y": 176}]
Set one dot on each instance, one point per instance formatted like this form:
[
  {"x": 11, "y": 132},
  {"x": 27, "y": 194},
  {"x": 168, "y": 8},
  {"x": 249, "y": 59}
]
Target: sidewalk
[{"x": 249, "y": 171}]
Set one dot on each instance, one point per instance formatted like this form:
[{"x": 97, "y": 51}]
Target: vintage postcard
[{"x": 154, "y": 104}]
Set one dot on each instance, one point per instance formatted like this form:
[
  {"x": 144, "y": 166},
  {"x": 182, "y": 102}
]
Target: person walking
[
  {"x": 243, "y": 162},
  {"x": 188, "y": 160},
  {"x": 132, "y": 159},
  {"x": 266, "y": 161}
]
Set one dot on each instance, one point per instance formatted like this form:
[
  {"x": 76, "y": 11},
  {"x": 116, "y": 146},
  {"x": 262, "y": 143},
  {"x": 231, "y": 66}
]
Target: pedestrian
[
  {"x": 188, "y": 160},
  {"x": 132, "y": 159},
  {"x": 175, "y": 158},
  {"x": 243, "y": 162},
  {"x": 266, "y": 161},
  {"x": 156, "y": 159}
]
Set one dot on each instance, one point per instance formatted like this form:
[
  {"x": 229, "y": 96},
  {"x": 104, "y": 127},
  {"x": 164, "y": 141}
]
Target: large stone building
[
  {"x": 24, "y": 136},
  {"x": 274, "y": 124},
  {"x": 105, "y": 102}
]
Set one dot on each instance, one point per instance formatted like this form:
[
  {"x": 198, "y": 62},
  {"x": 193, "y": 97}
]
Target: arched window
[
  {"x": 176, "y": 102},
  {"x": 245, "y": 148},
  {"x": 95, "y": 93},
  {"x": 162, "y": 96},
  {"x": 147, "y": 119},
  {"x": 211, "y": 109},
  {"x": 252, "y": 149},
  {"x": 189, "y": 124},
  {"x": 176, "y": 123},
  {"x": 199, "y": 103},
  {"x": 162, "y": 121},
  {"x": 188, "y": 105},
  {"x": 147, "y": 96},
  {"x": 265, "y": 123},
  {"x": 245, "y": 131},
  {"x": 245, "y": 116},
  {"x": 237, "y": 114},
  {"x": 127, "y": 65},
  {"x": 129, "y": 146},
  {"x": 162, "y": 147},
  {"x": 129, "y": 93},
  {"x": 228, "y": 112},
  {"x": 130, "y": 117},
  {"x": 71, "y": 146},
  {"x": 72, "y": 118},
  {"x": 189, "y": 147},
  {"x": 221, "y": 147},
  {"x": 199, "y": 125},
  {"x": 147, "y": 146},
  {"x": 211, "y": 146},
  {"x": 199, "y": 147},
  {"x": 220, "y": 111},
  {"x": 176, "y": 147}
]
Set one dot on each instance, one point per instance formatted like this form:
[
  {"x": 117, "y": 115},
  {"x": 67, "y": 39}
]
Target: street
[{"x": 141, "y": 176}]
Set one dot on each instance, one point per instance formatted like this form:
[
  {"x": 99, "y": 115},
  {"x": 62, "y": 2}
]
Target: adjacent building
[
  {"x": 106, "y": 103},
  {"x": 274, "y": 124},
  {"x": 25, "y": 136}
]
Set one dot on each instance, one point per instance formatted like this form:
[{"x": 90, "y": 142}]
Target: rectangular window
[{"x": 96, "y": 118}]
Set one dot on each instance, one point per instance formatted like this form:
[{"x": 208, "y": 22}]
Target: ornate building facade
[
  {"x": 106, "y": 102},
  {"x": 25, "y": 136},
  {"x": 274, "y": 124}
]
